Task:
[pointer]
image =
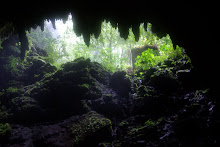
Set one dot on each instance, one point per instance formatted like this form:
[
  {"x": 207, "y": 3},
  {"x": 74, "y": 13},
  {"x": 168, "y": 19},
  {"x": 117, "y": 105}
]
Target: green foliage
[
  {"x": 2, "y": 93},
  {"x": 12, "y": 65},
  {"x": 149, "y": 59},
  {"x": 16, "y": 47},
  {"x": 150, "y": 123},
  {"x": 45, "y": 41},
  {"x": 3, "y": 113},
  {"x": 146, "y": 60},
  {"x": 123, "y": 123},
  {"x": 1, "y": 44},
  {"x": 12, "y": 89},
  {"x": 86, "y": 86},
  {"x": 109, "y": 49},
  {"x": 88, "y": 124},
  {"x": 5, "y": 130}
]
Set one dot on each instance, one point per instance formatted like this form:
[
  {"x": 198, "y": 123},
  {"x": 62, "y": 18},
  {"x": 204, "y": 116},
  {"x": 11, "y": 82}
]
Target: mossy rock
[
  {"x": 24, "y": 108},
  {"x": 78, "y": 64},
  {"x": 120, "y": 83},
  {"x": 164, "y": 81},
  {"x": 145, "y": 91},
  {"x": 11, "y": 92},
  {"x": 5, "y": 132},
  {"x": 98, "y": 72},
  {"x": 94, "y": 92},
  {"x": 37, "y": 71},
  {"x": 38, "y": 63},
  {"x": 75, "y": 76},
  {"x": 91, "y": 129},
  {"x": 59, "y": 93}
]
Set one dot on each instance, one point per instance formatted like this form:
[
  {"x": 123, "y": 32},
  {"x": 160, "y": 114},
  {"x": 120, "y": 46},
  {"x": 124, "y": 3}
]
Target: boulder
[
  {"x": 77, "y": 64},
  {"x": 26, "y": 109},
  {"x": 120, "y": 83},
  {"x": 109, "y": 105},
  {"x": 150, "y": 101},
  {"x": 90, "y": 129},
  {"x": 99, "y": 73},
  {"x": 61, "y": 93},
  {"x": 164, "y": 81},
  {"x": 37, "y": 71}
]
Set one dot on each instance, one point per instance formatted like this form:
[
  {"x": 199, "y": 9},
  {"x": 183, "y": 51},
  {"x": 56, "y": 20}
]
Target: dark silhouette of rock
[
  {"x": 164, "y": 81},
  {"x": 82, "y": 104},
  {"x": 86, "y": 130},
  {"x": 120, "y": 83}
]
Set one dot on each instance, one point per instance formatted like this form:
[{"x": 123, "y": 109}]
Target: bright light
[
  {"x": 61, "y": 27},
  {"x": 109, "y": 48},
  {"x": 66, "y": 33}
]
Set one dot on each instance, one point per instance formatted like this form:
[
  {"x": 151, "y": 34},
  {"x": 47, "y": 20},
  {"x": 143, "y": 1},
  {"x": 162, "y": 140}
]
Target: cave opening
[
  {"x": 73, "y": 89},
  {"x": 61, "y": 44}
]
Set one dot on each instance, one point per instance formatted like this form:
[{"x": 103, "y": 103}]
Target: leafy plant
[
  {"x": 5, "y": 130},
  {"x": 146, "y": 60},
  {"x": 150, "y": 123},
  {"x": 12, "y": 89},
  {"x": 12, "y": 65},
  {"x": 150, "y": 59}
]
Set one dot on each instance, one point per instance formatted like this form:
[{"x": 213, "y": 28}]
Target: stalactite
[
  {"x": 124, "y": 30},
  {"x": 53, "y": 23},
  {"x": 136, "y": 31},
  {"x": 42, "y": 25},
  {"x": 97, "y": 31},
  {"x": 86, "y": 37},
  {"x": 65, "y": 18}
]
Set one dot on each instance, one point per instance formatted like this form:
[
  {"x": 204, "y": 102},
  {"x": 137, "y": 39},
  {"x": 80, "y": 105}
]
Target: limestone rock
[{"x": 120, "y": 83}]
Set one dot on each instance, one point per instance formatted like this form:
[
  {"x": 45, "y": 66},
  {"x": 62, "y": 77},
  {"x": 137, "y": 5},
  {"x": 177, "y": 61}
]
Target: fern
[{"x": 12, "y": 65}]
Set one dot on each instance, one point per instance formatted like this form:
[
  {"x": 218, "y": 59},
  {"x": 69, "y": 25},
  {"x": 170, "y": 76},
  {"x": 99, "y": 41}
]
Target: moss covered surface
[
  {"x": 83, "y": 104},
  {"x": 5, "y": 132},
  {"x": 90, "y": 125}
]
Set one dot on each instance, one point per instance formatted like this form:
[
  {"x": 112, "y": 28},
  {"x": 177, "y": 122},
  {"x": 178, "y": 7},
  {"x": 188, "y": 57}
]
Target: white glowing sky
[
  {"x": 70, "y": 38},
  {"x": 61, "y": 27}
]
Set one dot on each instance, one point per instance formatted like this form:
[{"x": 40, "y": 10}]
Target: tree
[{"x": 108, "y": 49}]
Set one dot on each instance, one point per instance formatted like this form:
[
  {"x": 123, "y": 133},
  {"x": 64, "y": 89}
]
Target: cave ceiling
[{"x": 166, "y": 17}]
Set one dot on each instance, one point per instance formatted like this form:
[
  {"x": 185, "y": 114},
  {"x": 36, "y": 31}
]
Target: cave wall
[{"x": 190, "y": 25}]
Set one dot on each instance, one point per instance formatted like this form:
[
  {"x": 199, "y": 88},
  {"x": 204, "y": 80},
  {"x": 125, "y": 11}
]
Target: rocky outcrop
[
  {"x": 59, "y": 94},
  {"x": 37, "y": 70},
  {"x": 82, "y": 104},
  {"x": 87, "y": 130},
  {"x": 120, "y": 83}
]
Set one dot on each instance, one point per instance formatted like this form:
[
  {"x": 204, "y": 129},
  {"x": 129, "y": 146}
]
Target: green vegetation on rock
[
  {"x": 12, "y": 90},
  {"x": 5, "y": 131},
  {"x": 91, "y": 124},
  {"x": 12, "y": 65}
]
